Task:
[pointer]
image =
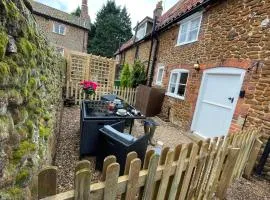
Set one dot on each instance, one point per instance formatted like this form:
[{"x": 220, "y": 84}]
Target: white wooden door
[{"x": 217, "y": 100}]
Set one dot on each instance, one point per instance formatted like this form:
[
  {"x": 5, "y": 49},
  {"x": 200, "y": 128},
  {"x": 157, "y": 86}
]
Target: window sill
[
  {"x": 158, "y": 84},
  {"x": 59, "y": 33},
  {"x": 184, "y": 43},
  {"x": 175, "y": 96}
]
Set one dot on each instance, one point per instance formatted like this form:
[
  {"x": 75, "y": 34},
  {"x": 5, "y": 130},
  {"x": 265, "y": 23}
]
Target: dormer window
[
  {"x": 141, "y": 32},
  {"x": 59, "y": 28},
  {"x": 189, "y": 29}
]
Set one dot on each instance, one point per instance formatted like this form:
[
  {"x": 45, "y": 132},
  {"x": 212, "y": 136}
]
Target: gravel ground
[
  {"x": 67, "y": 150},
  {"x": 253, "y": 189},
  {"x": 67, "y": 154}
]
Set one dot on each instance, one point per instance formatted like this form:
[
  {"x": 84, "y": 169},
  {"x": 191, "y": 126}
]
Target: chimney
[
  {"x": 158, "y": 10},
  {"x": 84, "y": 10}
]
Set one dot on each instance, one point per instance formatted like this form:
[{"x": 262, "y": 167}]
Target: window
[
  {"x": 159, "y": 78},
  {"x": 59, "y": 29},
  {"x": 189, "y": 29},
  {"x": 141, "y": 31},
  {"x": 178, "y": 83},
  {"x": 60, "y": 50}
]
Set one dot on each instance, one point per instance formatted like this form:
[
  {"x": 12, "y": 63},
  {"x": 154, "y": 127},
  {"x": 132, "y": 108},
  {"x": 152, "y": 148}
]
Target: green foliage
[
  {"x": 3, "y": 44},
  {"x": 30, "y": 128},
  {"x": 4, "y": 72},
  {"x": 77, "y": 12},
  {"x": 138, "y": 75},
  {"x": 112, "y": 27},
  {"x": 27, "y": 48},
  {"x": 15, "y": 97},
  {"x": 125, "y": 76},
  {"x": 12, "y": 193},
  {"x": 24, "y": 148},
  {"x": 22, "y": 176},
  {"x": 44, "y": 132}
]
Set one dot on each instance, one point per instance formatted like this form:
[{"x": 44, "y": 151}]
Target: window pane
[
  {"x": 181, "y": 90},
  {"x": 193, "y": 35},
  {"x": 195, "y": 24},
  {"x": 172, "y": 88},
  {"x": 173, "y": 78},
  {"x": 183, "y": 33},
  {"x": 62, "y": 30},
  {"x": 183, "y": 78},
  {"x": 160, "y": 72}
]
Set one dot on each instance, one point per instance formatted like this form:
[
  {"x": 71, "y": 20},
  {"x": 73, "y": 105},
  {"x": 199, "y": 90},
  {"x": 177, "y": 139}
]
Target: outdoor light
[{"x": 197, "y": 66}]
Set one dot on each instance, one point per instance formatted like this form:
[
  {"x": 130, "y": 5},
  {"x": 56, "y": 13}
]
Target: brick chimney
[
  {"x": 84, "y": 12},
  {"x": 158, "y": 10}
]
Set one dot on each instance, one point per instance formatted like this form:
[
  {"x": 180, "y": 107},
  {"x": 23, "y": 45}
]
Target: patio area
[{"x": 67, "y": 152}]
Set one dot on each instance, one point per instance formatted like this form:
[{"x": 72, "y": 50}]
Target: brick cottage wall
[
  {"x": 233, "y": 34},
  {"x": 75, "y": 38},
  {"x": 143, "y": 53}
]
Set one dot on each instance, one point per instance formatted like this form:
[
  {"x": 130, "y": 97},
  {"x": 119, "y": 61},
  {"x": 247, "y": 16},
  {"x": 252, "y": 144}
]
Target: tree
[
  {"x": 138, "y": 75},
  {"x": 112, "y": 27},
  {"x": 77, "y": 12},
  {"x": 125, "y": 80}
]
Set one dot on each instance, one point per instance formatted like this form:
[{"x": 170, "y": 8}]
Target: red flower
[{"x": 89, "y": 85}]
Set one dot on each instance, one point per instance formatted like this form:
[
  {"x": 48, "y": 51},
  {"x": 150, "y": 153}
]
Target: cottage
[
  {"x": 65, "y": 31},
  {"x": 212, "y": 58}
]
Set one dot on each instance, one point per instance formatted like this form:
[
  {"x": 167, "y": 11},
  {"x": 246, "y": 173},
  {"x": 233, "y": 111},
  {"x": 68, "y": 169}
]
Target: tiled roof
[
  {"x": 180, "y": 8},
  {"x": 41, "y": 9}
]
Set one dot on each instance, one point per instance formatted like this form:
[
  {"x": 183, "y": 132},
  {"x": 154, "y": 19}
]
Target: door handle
[{"x": 231, "y": 99}]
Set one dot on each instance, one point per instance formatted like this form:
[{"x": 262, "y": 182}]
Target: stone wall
[
  {"x": 234, "y": 33},
  {"x": 74, "y": 39},
  {"x": 143, "y": 53},
  {"x": 30, "y": 100}
]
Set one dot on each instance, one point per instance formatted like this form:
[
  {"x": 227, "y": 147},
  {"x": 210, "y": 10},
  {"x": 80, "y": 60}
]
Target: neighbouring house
[
  {"x": 64, "y": 31},
  {"x": 139, "y": 46},
  {"x": 213, "y": 59}
]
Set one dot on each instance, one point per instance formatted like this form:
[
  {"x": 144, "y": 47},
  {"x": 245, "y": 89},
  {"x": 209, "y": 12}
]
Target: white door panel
[{"x": 217, "y": 100}]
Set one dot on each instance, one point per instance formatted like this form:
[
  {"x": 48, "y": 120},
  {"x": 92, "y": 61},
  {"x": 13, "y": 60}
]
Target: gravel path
[
  {"x": 67, "y": 150},
  {"x": 67, "y": 154},
  {"x": 253, "y": 189}
]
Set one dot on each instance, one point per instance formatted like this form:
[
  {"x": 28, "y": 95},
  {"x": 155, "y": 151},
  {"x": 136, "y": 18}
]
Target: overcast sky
[{"x": 138, "y": 9}]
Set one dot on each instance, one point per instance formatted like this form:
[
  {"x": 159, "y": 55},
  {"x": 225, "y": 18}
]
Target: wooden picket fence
[
  {"x": 190, "y": 171},
  {"x": 74, "y": 91}
]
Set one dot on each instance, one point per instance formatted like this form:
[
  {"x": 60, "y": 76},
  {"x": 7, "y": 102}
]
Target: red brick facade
[{"x": 233, "y": 33}]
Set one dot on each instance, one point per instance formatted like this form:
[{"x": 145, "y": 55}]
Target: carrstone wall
[{"x": 31, "y": 74}]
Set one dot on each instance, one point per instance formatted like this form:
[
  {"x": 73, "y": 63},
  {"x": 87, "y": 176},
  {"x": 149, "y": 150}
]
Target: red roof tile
[{"x": 181, "y": 7}]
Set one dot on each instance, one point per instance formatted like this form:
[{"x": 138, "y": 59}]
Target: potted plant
[{"x": 89, "y": 87}]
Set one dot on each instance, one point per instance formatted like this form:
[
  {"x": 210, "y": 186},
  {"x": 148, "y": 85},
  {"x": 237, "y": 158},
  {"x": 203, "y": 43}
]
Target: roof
[
  {"x": 49, "y": 12},
  {"x": 146, "y": 19},
  {"x": 179, "y": 9}
]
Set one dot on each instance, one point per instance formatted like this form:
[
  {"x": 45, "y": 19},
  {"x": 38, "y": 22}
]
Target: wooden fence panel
[{"x": 190, "y": 171}]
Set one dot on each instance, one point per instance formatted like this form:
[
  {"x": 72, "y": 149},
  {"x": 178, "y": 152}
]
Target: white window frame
[
  {"x": 59, "y": 28},
  {"x": 188, "y": 21},
  {"x": 161, "y": 67},
  {"x": 179, "y": 72}
]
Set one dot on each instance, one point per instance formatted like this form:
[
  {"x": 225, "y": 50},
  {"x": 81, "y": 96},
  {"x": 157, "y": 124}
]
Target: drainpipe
[{"x": 153, "y": 49}]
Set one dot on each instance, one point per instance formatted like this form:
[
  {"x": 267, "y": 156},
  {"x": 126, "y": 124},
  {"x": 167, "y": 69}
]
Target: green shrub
[
  {"x": 125, "y": 76},
  {"x": 138, "y": 75},
  {"x": 44, "y": 132},
  {"x": 22, "y": 176}
]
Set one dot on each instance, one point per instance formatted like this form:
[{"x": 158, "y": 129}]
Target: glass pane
[
  {"x": 160, "y": 72},
  {"x": 183, "y": 33},
  {"x": 173, "y": 78},
  {"x": 172, "y": 88},
  {"x": 195, "y": 24},
  {"x": 56, "y": 28},
  {"x": 181, "y": 90},
  {"x": 192, "y": 36},
  {"x": 62, "y": 29},
  {"x": 183, "y": 78}
]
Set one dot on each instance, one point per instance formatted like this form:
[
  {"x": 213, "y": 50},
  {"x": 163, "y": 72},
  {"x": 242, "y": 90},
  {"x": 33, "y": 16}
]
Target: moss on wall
[{"x": 30, "y": 95}]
